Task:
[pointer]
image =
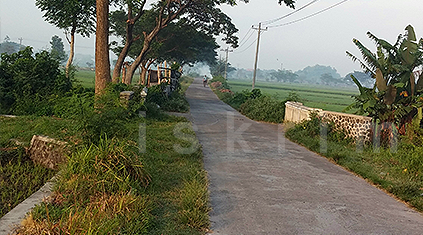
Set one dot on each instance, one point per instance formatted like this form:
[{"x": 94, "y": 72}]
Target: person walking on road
[{"x": 205, "y": 81}]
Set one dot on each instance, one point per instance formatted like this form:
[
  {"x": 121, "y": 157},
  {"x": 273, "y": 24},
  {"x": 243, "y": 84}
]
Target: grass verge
[
  {"x": 148, "y": 181},
  {"x": 19, "y": 176},
  {"x": 398, "y": 172},
  {"x": 252, "y": 104}
]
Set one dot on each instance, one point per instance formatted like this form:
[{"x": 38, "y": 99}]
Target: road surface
[{"x": 261, "y": 183}]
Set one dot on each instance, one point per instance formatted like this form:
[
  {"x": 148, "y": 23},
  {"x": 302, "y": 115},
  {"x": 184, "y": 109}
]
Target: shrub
[
  {"x": 223, "y": 83},
  {"x": 29, "y": 81},
  {"x": 176, "y": 102},
  {"x": 264, "y": 108}
]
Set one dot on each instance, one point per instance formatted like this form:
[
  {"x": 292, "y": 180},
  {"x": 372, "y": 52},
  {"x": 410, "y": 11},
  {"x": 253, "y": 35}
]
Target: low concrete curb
[{"x": 14, "y": 217}]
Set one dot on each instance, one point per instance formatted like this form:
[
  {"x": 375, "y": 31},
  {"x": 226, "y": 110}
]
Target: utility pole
[
  {"x": 257, "y": 51},
  {"x": 226, "y": 60}
]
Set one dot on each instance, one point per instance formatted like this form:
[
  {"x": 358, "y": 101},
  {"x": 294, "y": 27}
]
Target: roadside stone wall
[
  {"x": 46, "y": 151},
  {"x": 297, "y": 112},
  {"x": 354, "y": 125}
]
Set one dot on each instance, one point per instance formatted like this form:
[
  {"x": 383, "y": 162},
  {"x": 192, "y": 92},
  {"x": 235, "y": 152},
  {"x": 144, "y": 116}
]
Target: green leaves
[
  {"x": 380, "y": 81},
  {"x": 78, "y": 15},
  {"x": 392, "y": 67}
]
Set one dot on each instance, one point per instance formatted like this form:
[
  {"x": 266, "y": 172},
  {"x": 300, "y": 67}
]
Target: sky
[{"x": 321, "y": 39}]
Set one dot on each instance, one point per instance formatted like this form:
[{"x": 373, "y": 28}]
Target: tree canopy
[
  {"x": 77, "y": 15},
  {"x": 57, "y": 49},
  {"x": 73, "y": 16}
]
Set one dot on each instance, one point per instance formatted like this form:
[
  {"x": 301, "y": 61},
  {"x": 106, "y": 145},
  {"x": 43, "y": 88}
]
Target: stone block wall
[
  {"x": 46, "y": 151},
  {"x": 355, "y": 126}
]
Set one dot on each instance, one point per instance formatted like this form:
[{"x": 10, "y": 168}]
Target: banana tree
[{"x": 395, "y": 96}]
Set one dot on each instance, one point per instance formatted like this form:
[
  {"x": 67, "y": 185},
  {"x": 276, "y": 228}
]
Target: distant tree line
[{"x": 317, "y": 74}]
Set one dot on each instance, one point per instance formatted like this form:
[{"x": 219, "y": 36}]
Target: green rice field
[
  {"x": 85, "y": 77},
  {"x": 314, "y": 96}
]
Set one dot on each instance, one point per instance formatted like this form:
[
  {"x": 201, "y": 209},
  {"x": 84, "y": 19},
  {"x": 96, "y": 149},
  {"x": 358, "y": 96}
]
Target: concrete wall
[
  {"x": 355, "y": 126},
  {"x": 297, "y": 112}
]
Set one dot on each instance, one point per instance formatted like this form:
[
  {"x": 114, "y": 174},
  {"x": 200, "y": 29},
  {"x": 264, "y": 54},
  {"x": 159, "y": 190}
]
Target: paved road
[{"x": 261, "y": 183}]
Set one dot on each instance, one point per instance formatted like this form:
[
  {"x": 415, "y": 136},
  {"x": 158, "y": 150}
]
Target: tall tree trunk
[
  {"x": 141, "y": 56},
  {"x": 123, "y": 53},
  {"x": 119, "y": 63},
  {"x": 72, "y": 50},
  {"x": 129, "y": 40},
  {"x": 102, "y": 63},
  {"x": 126, "y": 79},
  {"x": 142, "y": 75},
  {"x": 143, "y": 72}
]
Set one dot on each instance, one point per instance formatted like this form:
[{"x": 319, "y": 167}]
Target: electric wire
[
  {"x": 244, "y": 36},
  {"x": 309, "y": 16},
  {"x": 289, "y": 14},
  {"x": 251, "y": 34},
  {"x": 271, "y": 22},
  {"x": 252, "y": 43}
]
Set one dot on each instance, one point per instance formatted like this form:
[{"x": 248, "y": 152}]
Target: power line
[
  {"x": 252, "y": 43},
  {"x": 245, "y": 36},
  {"x": 309, "y": 16},
  {"x": 242, "y": 42},
  {"x": 289, "y": 14},
  {"x": 251, "y": 34}
]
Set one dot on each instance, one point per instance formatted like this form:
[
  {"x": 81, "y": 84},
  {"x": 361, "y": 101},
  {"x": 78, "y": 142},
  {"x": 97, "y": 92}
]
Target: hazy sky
[{"x": 322, "y": 39}]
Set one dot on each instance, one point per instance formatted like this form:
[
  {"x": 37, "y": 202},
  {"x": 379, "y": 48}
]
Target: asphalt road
[{"x": 261, "y": 183}]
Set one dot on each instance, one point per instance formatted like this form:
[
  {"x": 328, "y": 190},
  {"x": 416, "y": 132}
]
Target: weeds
[
  {"x": 253, "y": 104},
  {"x": 399, "y": 172},
  {"x": 19, "y": 177}
]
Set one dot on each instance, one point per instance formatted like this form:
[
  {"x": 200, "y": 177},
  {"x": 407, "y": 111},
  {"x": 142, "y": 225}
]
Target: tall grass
[
  {"x": 399, "y": 172},
  {"x": 112, "y": 188},
  {"x": 19, "y": 177}
]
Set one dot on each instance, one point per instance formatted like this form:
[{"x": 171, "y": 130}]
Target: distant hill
[
  {"x": 318, "y": 74},
  {"x": 9, "y": 47}
]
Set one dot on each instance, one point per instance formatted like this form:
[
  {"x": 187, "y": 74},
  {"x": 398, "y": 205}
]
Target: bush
[
  {"x": 224, "y": 83},
  {"x": 107, "y": 118},
  {"x": 264, "y": 108},
  {"x": 176, "y": 102},
  {"x": 29, "y": 81}
]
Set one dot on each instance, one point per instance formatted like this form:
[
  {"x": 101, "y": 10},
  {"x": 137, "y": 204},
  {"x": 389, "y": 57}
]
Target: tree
[
  {"x": 178, "y": 42},
  {"x": 102, "y": 62},
  {"x": 125, "y": 17},
  {"x": 284, "y": 76},
  {"x": 218, "y": 68},
  {"x": 9, "y": 47},
  {"x": 203, "y": 15},
  {"x": 396, "y": 95},
  {"x": 168, "y": 10},
  {"x": 28, "y": 80},
  {"x": 57, "y": 49},
  {"x": 73, "y": 16}
]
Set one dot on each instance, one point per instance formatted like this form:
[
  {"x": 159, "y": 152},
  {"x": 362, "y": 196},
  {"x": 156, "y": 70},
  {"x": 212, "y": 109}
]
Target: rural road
[{"x": 261, "y": 183}]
